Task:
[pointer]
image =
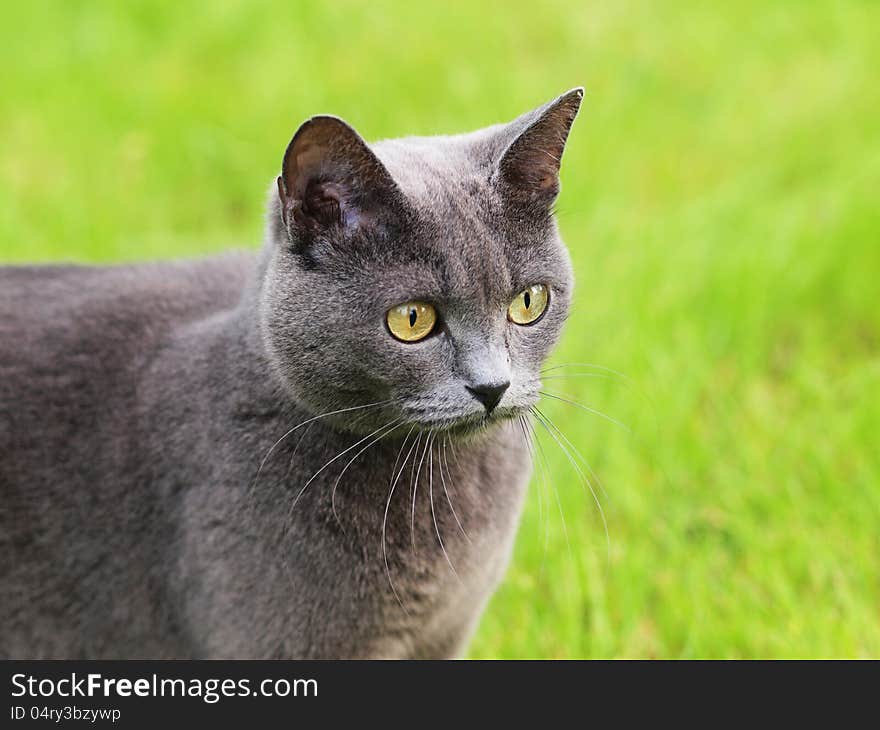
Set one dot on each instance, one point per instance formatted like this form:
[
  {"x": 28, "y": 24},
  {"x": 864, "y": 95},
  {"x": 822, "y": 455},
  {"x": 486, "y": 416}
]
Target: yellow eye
[
  {"x": 412, "y": 321},
  {"x": 528, "y": 305}
]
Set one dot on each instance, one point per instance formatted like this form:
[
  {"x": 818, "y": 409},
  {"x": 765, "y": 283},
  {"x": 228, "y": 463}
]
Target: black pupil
[
  {"x": 527, "y": 300},
  {"x": 412, "y": 317}
]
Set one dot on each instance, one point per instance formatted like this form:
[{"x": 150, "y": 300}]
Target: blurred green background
[{"x": 720, "y": 199}]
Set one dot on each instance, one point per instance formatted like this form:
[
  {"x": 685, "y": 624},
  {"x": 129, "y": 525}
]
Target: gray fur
[{"x": 149, "y": 506}]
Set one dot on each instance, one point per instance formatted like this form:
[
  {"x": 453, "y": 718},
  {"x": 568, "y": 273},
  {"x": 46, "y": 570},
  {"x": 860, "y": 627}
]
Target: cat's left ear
[
  {"x": 529, "y": 167},
  {"x": 331, "y": 179}
]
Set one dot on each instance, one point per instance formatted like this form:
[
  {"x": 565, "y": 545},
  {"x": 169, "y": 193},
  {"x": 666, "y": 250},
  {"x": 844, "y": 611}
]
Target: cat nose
[{"x": 489, "y": 393}]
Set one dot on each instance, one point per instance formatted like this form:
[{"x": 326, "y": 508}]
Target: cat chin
[{"x": 469, "y": 427}]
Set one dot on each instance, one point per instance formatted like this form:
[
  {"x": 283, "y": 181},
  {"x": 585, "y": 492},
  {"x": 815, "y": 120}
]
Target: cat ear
[
  {"x": 331, "y": 178},
  {"x": 529, "y": 167}
]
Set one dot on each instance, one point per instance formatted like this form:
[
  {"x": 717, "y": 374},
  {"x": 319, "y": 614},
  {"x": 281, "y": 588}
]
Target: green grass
[{"x": 721, "y": 204}]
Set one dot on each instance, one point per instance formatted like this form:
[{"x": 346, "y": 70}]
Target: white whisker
[
  {"x": 394, "y": 480},
  {"x": 431, "y": 500},
  {"x": 600, "y": 376},
  {"x": 539, "y": 488},
  {"x": 415, "y": 488},
  {"x": 576, "y": 452},
  {"x": 338, "y": 456},
  {"x": 590, "y": 365},
  {"x": 307, "y": 421},
  {"x": 376, "y": 440},
  {"x": 546, "y": 423},
  {"x": 440, "y": 462},
  {"x": 588, "y": 409},
  {"x": 546, "y": 470}
]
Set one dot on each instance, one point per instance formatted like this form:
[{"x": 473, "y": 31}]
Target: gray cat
[{"x": 317, "y": 451}]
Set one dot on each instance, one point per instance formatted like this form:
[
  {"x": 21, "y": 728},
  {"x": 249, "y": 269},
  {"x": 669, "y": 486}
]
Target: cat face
[{"x": 419, "y": 282}]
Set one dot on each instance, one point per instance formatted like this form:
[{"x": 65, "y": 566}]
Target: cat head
[{"x": 418, "y": 281}]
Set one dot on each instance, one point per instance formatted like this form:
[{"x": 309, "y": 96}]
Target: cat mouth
[{"x": 466, "y": 424}]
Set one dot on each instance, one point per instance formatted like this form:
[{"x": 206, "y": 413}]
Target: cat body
[
  {"x": 135, "y": 535},
  {"x": 234, "y": 458}
]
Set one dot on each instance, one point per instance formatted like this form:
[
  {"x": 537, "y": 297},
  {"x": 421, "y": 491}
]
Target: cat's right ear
[
  {"x": 529, "y": 167},
  {"x": 332, "y": 181}
]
